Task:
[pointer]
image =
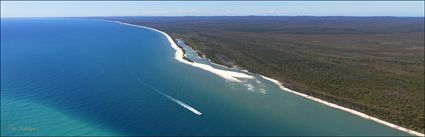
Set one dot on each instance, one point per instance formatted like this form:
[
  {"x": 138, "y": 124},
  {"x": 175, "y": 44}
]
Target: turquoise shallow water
[{"x": 88, "y": 77}]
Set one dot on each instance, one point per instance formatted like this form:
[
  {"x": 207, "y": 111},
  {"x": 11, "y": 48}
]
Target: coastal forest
[{"x": 371, "y": 64}]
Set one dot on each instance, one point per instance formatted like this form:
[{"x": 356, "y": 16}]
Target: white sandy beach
[
  {"x": 354, "y": 112},
  {"x": 233, "y": 76},
  {"x": 228, "y": 75}
]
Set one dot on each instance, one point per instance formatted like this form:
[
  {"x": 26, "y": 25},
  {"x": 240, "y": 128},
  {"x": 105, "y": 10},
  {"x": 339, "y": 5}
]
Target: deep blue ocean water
[{"x": 89, "y": 77}]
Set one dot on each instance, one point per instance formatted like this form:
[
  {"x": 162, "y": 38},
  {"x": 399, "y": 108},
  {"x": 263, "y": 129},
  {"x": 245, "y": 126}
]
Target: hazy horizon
[
  {"x": 211, "y": 8},
  {"x": 220, "y": 16}
]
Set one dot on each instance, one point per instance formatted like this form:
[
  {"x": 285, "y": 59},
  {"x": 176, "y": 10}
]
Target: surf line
[{"x": 188, "y": 107}]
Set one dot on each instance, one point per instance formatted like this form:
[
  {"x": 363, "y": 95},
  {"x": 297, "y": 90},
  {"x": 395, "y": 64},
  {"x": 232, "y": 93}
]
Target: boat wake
[{"x": 188, "y": 107}]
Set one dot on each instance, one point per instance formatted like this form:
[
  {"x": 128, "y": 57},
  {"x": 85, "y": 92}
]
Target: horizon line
[{"x": 212, "y": 16}]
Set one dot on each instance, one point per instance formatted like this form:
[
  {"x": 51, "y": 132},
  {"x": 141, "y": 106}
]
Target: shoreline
[
  {"x": 227, "y": 75},
  {"x": 232, "y": 76},
  {"x": 184, "y": 55},
  {"x": 351, "y": 111},
  {"x": 209, "y": 59}
]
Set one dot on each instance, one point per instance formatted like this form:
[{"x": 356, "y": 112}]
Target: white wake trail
[
  {"x": 181, "y": 104},
  {"x": 188, "y": 107}
]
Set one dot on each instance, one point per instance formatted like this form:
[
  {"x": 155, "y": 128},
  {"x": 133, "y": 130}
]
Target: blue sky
[{"x": 210, "y": 8}]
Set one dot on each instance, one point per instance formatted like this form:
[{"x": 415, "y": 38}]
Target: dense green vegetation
[{"x": 371, "y": 64}]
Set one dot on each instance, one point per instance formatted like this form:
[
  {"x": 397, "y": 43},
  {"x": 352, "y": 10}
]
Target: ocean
[{"x": 64, "y": 76}]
